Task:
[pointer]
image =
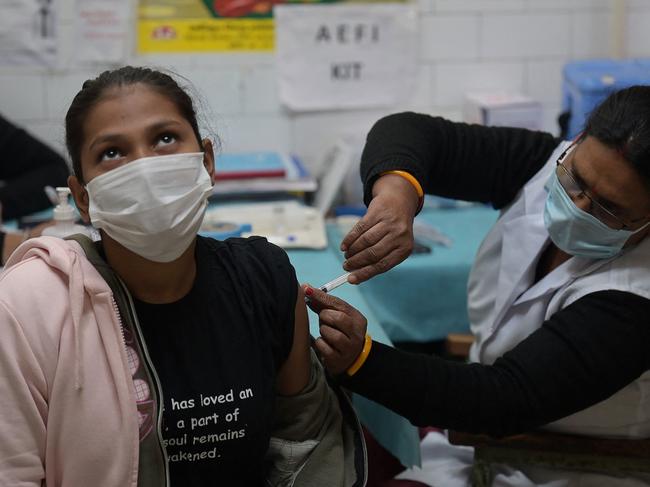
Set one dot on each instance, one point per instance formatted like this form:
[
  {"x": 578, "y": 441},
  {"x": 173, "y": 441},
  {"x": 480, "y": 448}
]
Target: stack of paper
[
  {"x": 263, "y": 172},
  {"x": 250, "y": 165}
]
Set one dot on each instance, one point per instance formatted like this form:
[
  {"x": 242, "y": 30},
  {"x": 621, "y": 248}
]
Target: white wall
[{"x": 464, "y": 45}]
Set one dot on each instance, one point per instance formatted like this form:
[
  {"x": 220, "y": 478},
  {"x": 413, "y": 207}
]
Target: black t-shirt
[{"x": 217, "y": 351}]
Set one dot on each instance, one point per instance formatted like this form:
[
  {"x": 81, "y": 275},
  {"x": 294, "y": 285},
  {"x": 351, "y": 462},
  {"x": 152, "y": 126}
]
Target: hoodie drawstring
[{"x": 75, "y": 293}]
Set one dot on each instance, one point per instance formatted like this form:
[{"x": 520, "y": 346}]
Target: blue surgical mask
[{"x": 575, "y": 231}]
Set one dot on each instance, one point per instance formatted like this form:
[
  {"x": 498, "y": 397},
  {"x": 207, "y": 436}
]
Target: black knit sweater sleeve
[
  {"x": 582, "y": 355},
  {"x": 456, "y": 160},
  {"x": 26, "y": 166}
]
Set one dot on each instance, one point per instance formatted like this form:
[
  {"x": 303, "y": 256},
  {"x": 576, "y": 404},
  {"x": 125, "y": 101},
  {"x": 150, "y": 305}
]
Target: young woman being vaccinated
[{"x": 156, "y": 357}]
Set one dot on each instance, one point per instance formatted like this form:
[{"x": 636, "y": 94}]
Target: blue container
[
  {"x": 644, "y": 65},
  {"x": 587, "y": 83}
]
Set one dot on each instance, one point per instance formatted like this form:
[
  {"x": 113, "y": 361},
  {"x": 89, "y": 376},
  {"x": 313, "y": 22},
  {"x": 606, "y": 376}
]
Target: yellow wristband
[
  {"x": 365, "y": 351},
  {"x": 414, "y": 182}
]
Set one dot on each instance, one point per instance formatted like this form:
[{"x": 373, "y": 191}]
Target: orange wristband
[
  {"x": 414, "y": 182},
  {"x": 365, "y": 351}
]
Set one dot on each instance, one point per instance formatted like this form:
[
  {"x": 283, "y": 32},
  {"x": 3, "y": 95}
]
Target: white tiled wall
[
  {"x": 525, "y": 35},
  {"x": 638, "y": 31},
  {"x": 465, "y": 45}
]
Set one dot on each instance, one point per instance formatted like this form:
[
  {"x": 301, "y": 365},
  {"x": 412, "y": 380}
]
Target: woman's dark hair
[
  {"x": 622, "y": 122},
  {"x": 93, "y": 90}
]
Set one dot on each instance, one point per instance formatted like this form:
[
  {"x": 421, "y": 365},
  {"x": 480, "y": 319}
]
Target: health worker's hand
[
  {"x": 342, "y": 330},
  {"x": 384, "y": 236}
]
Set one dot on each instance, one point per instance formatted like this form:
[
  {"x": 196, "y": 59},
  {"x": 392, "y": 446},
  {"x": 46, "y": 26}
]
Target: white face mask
[{"x": 153, "y": 206}]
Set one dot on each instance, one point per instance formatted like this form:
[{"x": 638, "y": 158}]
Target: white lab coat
[{"x": 504, "y": 314}]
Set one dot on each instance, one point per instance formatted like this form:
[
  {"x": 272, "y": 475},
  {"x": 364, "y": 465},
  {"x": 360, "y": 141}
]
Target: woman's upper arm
[{"x": 294, "y": 373}]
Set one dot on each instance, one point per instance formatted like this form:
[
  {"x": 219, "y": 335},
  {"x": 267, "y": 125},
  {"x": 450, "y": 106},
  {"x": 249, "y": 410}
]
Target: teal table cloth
[{"x": 425, "y": 297}]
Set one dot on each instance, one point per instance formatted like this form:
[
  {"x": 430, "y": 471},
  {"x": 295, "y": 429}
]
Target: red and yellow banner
[{"x": 168, "y": 26}]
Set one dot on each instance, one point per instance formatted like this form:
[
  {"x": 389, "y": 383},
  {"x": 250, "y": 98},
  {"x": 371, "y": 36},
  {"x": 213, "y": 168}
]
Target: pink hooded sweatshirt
[{"x": 68, "y": 412}]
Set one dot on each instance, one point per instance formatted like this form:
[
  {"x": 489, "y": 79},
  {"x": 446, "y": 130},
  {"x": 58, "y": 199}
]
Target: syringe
[{"x": 330, "y": 286}]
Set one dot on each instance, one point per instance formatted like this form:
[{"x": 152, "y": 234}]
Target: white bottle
[{"x": 64, "y": 216}]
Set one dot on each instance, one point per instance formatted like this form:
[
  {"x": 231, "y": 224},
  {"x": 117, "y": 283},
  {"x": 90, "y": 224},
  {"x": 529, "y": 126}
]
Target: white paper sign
[
  {"x": 345, "y": 56},
  {"x": 28, "y": 32},
  {"x": 101, "y": 30}
]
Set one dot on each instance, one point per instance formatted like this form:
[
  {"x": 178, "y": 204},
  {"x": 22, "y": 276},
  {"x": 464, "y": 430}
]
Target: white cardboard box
[{"x": 503, "y": 109}]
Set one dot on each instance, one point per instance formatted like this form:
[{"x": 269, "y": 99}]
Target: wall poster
[
  {"x": 207, "y": 25},
  {"x": 102, "y": 30},
  {"x": 345, "y": 56},
  {"x": 28, "y": 32}
]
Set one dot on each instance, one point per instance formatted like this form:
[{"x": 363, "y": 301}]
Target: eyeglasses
[{"x": 576, "y": 190}]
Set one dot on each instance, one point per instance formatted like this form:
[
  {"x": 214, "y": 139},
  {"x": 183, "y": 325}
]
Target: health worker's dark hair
[{"x": 622, "y": 122}]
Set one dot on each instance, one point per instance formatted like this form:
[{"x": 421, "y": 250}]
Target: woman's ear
[
  {"x": 80, "y": 196},
  {"x": 208, "y": 158}
]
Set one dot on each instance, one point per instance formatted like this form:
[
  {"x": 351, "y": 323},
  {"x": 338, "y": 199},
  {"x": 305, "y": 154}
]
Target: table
[{"x": 425, "y": 297}]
